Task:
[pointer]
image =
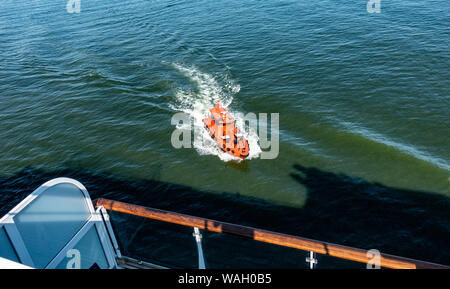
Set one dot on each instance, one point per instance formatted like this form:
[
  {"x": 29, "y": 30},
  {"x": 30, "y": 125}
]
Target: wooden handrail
[{"x": 338, "y": 251}]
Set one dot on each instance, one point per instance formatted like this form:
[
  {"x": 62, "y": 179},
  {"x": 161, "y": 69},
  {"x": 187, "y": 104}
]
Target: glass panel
[
  {"x": 6, "y": 249},
  {"x": 51, "y": 220},
  {"x": 90, "y": 252}
]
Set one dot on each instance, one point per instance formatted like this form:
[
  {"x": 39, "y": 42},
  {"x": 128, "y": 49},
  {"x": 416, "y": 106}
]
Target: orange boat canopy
[{"x": 221, "y": 128}]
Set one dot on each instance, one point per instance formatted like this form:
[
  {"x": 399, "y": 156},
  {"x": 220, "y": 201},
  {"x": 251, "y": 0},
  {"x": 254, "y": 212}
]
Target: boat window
[
  {"x": 56, "y": 215},
  {"x": 6, "y": 249},
  {"x": 89, "y": 253}
]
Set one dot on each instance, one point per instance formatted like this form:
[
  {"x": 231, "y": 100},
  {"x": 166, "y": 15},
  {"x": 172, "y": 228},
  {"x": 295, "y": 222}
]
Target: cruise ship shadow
[
  {"x": 339, "y": 209},
  {"x": 355, "y": 212},
  {"x": 164, "y": 243}
]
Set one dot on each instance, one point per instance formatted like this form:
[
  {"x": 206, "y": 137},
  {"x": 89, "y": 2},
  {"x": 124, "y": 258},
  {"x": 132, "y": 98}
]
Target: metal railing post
[
  {"x": 198, "y": 240},
  {"x": 311, "y": 260}
]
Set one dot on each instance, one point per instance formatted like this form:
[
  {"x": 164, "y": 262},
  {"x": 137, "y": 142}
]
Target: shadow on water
[
  {"x": 355, "y": 212},
  {"x": 339, "y": 209}
]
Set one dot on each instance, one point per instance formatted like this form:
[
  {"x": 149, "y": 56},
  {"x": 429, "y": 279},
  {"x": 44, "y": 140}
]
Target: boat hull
[{"x": 227, "y": 138}]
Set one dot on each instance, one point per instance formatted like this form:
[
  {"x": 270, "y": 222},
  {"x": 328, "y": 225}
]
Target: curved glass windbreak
[
  {"x": 87, "y": 252},
  {"x": 51, "y": 220},
  {"x": 6, "y": 249}
]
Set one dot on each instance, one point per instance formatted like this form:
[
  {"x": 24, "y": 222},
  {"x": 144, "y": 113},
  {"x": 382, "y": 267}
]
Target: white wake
[{"x": 197, "y": 101}]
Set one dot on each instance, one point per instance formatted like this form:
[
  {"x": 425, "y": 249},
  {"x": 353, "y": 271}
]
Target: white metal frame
[
  {"x": 198, "y": 240},
  {"x": 8, "y": 264},
  {"x": 96, "y": 219},
  {"x": 109, "y": 230}
]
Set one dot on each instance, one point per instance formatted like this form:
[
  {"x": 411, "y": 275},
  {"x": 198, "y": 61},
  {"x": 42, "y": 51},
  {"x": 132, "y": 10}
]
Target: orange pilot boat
[{"x": 221, "y": 127}]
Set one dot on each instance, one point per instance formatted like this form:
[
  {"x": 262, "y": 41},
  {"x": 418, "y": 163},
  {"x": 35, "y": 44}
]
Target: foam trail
[
  {"x": 407, "y": 149},
  {"x": 197, "y": 102}
]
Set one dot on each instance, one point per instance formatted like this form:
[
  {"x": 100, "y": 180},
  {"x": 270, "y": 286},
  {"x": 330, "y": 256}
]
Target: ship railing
[{"x": 372, "y": 258}]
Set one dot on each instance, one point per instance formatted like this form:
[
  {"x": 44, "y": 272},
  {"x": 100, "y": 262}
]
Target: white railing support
[
  {"x": 198, "y": 240},
  {"x": 311, "y": 260}
]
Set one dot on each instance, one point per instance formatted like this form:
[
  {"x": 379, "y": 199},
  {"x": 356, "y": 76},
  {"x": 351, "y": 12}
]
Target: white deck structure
[{"x": 56, "y": 226}]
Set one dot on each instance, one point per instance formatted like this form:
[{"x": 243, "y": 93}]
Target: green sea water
[
  {"x": 360, "y": 94},
  {"x": 363, "y": 102}
]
